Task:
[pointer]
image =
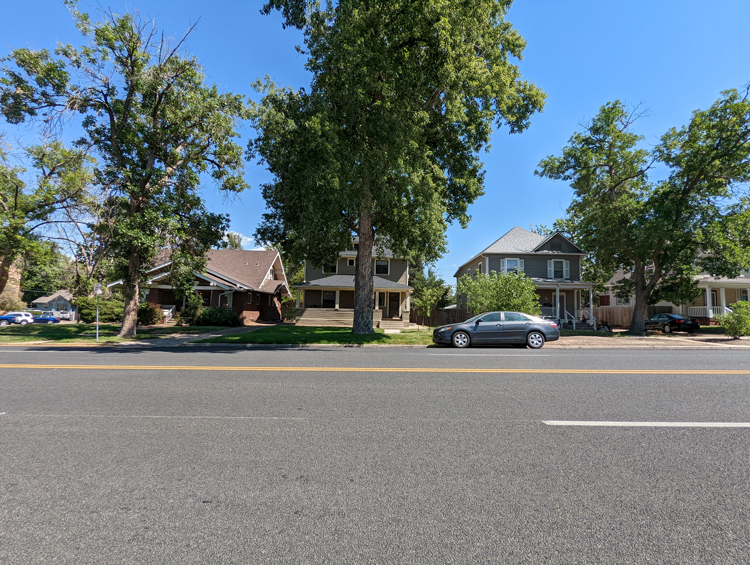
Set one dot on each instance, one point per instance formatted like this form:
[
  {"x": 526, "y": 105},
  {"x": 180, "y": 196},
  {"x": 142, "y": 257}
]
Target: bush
[
  {"x": 149, "y": 314},
  {"x": 110, "y": 310},
  {"x": 737, "y": 323},
  {"x": 190, "y": 312},
  {"x": 221, "y": 316},
  {"x": 499, "y": 291}
]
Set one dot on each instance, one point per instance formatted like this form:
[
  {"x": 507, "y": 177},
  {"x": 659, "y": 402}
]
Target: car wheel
[
  {"x": 535, "y": 340},
  {"x": 23, "y": 322},
  {"x": 667, "y": 329},
  {"x": 460, "y": 339},
  {"x": 3, "y": 322},
  {"x": 50, "y": 322}
]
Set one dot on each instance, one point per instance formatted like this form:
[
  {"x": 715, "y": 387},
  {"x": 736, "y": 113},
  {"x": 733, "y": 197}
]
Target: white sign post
[{"x": 97, "y": 291}]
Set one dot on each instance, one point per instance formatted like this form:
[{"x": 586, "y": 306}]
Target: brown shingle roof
[{"x": 249, "y": 268}]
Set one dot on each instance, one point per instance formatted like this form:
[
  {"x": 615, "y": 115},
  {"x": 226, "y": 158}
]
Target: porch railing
[
  {"x": 549, "y": 312},
  {"x": 706, "y": 312}
]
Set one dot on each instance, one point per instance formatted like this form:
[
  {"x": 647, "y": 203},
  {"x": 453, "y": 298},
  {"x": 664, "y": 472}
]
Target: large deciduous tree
[
  {"x": 60, "y": 179},
  {"x": 385, "y": 143},
  {"x": 156, "y": 128},
  {"x": 661, "y": 232}
]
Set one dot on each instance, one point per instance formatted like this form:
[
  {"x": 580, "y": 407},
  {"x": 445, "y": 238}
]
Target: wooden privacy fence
[
  {"x": 440, "y": 317},
  {"x": 621, "y": 316}
]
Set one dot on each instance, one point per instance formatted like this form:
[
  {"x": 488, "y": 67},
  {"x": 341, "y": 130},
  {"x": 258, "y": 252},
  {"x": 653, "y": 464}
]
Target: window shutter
[
  {"x": 550, "y": 269},
  {"x": 502, "y": 265},
  {"x": 520, "y": 264},
  {"x": 566, "y": 269}
]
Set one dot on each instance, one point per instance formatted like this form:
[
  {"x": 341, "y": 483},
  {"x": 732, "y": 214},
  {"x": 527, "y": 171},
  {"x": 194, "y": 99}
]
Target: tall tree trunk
[
  {"x": 132, "y": 298},
  {"x": 363, "y": 288},
  {"x": 640, "y": 308},
  {"x": 5, "y": 264}
]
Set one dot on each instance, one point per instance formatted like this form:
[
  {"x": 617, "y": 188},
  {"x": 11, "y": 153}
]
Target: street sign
[{"x": 98, "y": 289}]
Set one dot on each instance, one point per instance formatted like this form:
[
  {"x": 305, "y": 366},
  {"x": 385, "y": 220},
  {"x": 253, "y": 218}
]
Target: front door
[{"x": 394, "y": 302}]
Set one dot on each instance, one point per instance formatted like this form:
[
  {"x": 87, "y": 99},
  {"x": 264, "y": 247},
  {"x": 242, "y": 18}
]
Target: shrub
[
  {"x": 737, "y": 323},
  {"x": 499, "y": 291},
  {"x": 149, "y": 314},
  {"x": 192, "y": 309},
  {"x": 110, "y": 309},
  {"x": 221, "y": 316}
]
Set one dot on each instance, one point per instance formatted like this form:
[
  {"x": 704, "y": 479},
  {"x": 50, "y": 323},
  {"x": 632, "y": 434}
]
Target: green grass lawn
[
  {"x": 86, "y": 333},
  {"x": 318, "y": 335}
]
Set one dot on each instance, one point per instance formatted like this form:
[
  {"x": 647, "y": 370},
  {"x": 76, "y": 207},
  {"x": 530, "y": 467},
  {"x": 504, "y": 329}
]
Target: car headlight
[{"x": 445, "y": 329}]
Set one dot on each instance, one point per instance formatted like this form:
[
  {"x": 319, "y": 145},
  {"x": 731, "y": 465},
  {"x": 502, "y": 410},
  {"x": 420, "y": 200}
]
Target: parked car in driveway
[
  {"x": 45, "y": 319},
  {"x": 7, "y": 319},
  {"x": 498, "y": 328},
  {"x": 672, "y": 322},
  {"x": 23, "y": 317}
]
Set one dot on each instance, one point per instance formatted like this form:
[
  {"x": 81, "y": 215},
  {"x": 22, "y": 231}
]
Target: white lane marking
[{"x": 586, "y": 423}]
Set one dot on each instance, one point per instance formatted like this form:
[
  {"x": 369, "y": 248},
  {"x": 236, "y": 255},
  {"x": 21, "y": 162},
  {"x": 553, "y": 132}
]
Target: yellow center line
[{"x": 541, "y": 371}]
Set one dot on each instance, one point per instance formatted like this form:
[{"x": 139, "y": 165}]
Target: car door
[
  {"x": 515, "y": 327},
  {"x": 488, "y": 329}
]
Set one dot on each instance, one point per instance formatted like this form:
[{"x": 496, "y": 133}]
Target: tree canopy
[
  {"x": 27, "y": 206},
  {"x": 403, "y": 98},
  {"x": 487, "y": 292},
  {"x": 663, "y": 231},
  {"x": 156, "y": 128}
]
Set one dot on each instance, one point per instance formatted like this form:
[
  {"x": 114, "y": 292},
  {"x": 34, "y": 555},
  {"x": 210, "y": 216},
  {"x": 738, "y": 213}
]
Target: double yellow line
[{"x": 540, "y": 371}]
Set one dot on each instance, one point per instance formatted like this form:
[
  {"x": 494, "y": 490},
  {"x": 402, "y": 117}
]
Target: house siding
[{"x": 398, "y": 270}]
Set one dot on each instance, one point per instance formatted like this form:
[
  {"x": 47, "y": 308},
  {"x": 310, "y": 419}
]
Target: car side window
[
  {"x": 515, "y": 317},
  {"x": 491, "y": 317}
]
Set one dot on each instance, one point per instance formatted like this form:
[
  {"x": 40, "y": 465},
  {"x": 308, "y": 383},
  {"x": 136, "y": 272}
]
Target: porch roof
[
  {"x": 347, "y": 282},
  {"x": 554, "y": 283}
]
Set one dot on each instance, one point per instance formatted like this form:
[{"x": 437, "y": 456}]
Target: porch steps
[{"x": 392, "y": 324}]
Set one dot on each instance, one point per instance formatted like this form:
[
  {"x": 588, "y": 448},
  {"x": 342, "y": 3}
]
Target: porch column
[
  {"x": 377, "y": 300},
  {"x": 298, "y": 293},
  {"x": 337, "y": 300},
  {"x": 408, "y": 301},
  {"x": 557, "y": 301},
  {"x": 709, "y": 306},
  {"x": 723, "y": 298}
]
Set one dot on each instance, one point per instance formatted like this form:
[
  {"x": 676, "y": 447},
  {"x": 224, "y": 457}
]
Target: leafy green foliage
[
  {"x": 221, "y": 316},
  {"x": 156, "y": 128},
  {"x": 44, "y": 270},
  {"x": 737, "y": 323},
  {"x": 192, "y": 309},
  {"x": 110, "y": 309},
  {"x": 430, "y": 291},
  {"x": 403, "y": 98},
  {"x": 61, "y": 179},
  {"x": 499, "y": 291},
  {"x": 661, "y": 232},
  {"x": 149, "y": 314}
]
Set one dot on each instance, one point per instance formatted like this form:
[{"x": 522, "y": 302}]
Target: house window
[
  {"x": 622, "y": 301},
  {"x": 381, "y": 267},
  {"x": 510, "y": 265},
  {"x": 743, "y": 295},
  {"x": 604, "y": 300},
  {"x": 558, "y": 269},
  {"x": 271, "y": 273},
  {"x": 479, "y": 268},
  {"x": 351, "y": 262},
  {"x": 257, "y": 299},
  {"x": 381, "y": 300},
  {"x": 329, "y": 299}
]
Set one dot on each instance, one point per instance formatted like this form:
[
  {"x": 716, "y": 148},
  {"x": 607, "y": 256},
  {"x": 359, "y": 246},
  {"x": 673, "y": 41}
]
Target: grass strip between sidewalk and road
[
  {"x": 86, "y": 333},
  {"x": 303, "y": 335}
]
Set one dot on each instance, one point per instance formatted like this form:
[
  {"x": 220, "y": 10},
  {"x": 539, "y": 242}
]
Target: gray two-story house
[
  {"x": 328, "y": 292},
  {"x": 552, "y": 262}
]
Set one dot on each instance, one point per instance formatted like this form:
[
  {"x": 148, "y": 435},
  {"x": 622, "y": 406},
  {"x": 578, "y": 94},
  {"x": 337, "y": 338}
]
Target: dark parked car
[
  {"x": 7, "y": 320},
  {"x": 672, "y": 322},
  {"x": 498, "y": 328},
  {"x": 45, "y": 319}
]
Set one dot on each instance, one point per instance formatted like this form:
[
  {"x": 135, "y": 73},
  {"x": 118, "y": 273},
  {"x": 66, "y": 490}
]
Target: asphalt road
[{"x": 387, "y": 455}]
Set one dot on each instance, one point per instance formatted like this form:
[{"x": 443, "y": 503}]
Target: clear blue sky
[{"x": 671, "y": 56}]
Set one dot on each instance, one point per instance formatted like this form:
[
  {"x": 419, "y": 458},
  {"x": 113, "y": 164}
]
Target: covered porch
[
  {"x": 562, "y": 301},
  {"x": 716, "y": 299},
  {"x": 330, "y": 302}
]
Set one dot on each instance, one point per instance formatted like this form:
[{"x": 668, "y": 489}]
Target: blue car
[
  {"x": 45, "y": 319},
  {"x": 6, "y": 320},
  {"x": 498, "y": 328}
]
